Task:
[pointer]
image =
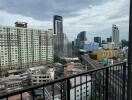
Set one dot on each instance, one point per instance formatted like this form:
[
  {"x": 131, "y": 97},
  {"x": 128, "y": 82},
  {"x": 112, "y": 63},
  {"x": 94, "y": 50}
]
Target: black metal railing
[{"x": 109, "y": 83}]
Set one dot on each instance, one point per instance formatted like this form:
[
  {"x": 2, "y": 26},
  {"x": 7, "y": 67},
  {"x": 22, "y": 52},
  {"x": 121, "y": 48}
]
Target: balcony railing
[{"x": 109, "y": 83}]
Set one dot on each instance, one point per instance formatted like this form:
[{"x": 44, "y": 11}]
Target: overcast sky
[{"x": 94, "y": 16}]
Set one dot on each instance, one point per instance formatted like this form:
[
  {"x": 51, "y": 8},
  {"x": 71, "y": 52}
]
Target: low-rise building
[
  {"x": 91, "y": 46},
  {"x": 59, "y": 70},
  {"x": 13, "y": 82},
  {"x": 101, "y": 54},
  {"x": 41, "y": 74},
  {"x": 111, "y": 45},
  {"x": 73, "y": 68}
]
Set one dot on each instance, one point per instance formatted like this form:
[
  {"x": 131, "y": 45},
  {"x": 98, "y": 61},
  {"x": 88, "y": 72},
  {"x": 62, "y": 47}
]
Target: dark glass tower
[
  {"x": 81, "y": 38},
  {"x": 58, "y": 36},
  {"x": 58, "y": 25},
  {"x": 98, "y": 40}
]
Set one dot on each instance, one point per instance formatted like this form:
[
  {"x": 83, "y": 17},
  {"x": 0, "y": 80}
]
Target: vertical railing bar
[
  {"x": 114, "y": 84},
  {"x": 81, "y": 88},
  {"x": 68, "y": 87},
  {"x": 103, "y": 86},
  {"x": 86, "y": 86},
  {"x": 106, "y": 83},
  {"x": 21, "y": 96},
  {"x": 116, "y": 79},
  {"x": 124, "y": 79},
  {"x": 53, "y": 91},
  {"x": 122, "y": 83},
  {"x": 99, "y": 85},
  {"x": 33, "y": 94},
  {"x": 112, "y": 90},
  {"x": 43, "y": 93},
  {"x": 95, "y": 84},
  {"x": 75, "y": 87},
  {"x": 91, "y": 86},
  {"x": 110, "y": 96},
  {"x": 62, "y": 91},
  {"x": 119, "y": 83}
]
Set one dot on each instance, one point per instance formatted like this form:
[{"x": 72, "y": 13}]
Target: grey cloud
[
  {"x": 45, "y": 9},
  {"x": 122, "y": 12}
]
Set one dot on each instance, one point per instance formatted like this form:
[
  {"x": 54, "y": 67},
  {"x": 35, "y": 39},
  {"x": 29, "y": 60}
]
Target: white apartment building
[
  {"x": 109, "y": 45},
  {"x": 22, "y": 47},
  {"x": 112, "y": 45},
  {"x": 80, "y": 89}
]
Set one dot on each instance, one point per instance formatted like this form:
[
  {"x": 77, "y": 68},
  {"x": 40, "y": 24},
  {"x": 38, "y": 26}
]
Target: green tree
[{"x": 58, "y": 59}]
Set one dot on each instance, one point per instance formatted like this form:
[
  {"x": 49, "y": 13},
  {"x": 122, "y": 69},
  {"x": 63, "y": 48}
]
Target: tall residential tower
[{"x": 22, "y": 47}]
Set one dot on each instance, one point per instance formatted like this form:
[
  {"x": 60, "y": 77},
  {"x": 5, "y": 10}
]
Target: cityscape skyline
[
  {"x": 65, "y": 50},
  {"x": 96, "y": 19}
]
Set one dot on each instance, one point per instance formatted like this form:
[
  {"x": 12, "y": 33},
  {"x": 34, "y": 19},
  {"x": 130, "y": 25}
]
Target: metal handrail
[{"x": 30, "y": 88}]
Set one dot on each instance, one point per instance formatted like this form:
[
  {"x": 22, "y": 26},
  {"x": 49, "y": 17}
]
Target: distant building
[
  {"x": 109, "y": 40},
  {"x": 101, "y": 54},
  {"x": 58, "y": 25},
  {"x": 23, "y": 47},
  {"x": 13, "y": 82},
  {"x": 124, "y": 43},
  {"x": 125, "y": 52},
  {"x": 73, "y": 68},
  {"x": 89, "y": 46},
  {"x": 98, "y": 40},
  {"x": 80, "y": 94},
  {"x": 41, "y": 74},
  {"x": 61, "y": 41},
  {"x": 65, "y": 46},
  {"x": 115, "y": 34},
  {"x": 109, "y": 45},
  {"x": 59, "y": 70},
  {"x": 70, "y": 50},
  {"x": 81, "y": 38},
  {"x": 58, "y": 36},
  {"x": 104, "y": 42}
]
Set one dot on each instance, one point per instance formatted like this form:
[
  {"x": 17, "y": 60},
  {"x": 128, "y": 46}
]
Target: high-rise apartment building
[
  {"x": 22, "y": 47},
  {"x": 115, "y": 34}
]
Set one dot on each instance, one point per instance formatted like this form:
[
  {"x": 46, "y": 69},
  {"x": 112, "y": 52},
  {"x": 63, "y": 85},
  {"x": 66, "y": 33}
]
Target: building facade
[
  {"x": 58, "y": 36},
  {"x": 98, "y": 40},
  {"x": 101, "y": 54},
  {"x": 109, "y": 45},
  {"x": 109, "y": 40},
  {"x": 81, "y": 38},
  {"x": 91, "y": 46},
  {"x": 115, "y": 34},
  {"x": 22, "y": 48},
  {"x": 41, "y": 74}
]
